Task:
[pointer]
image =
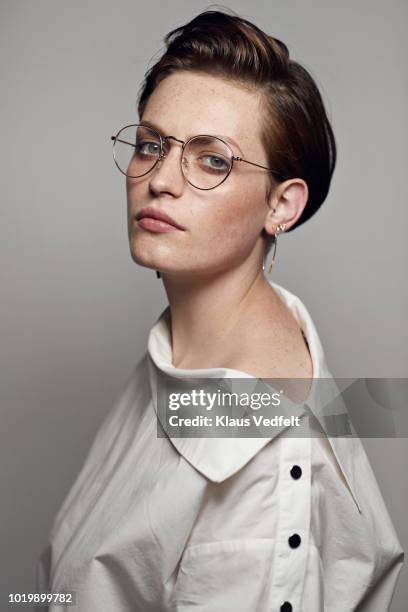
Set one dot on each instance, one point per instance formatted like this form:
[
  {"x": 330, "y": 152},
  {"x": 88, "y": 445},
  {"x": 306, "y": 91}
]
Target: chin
[
  {"x": 142, "y": 260},
  {"x": 147, "y": 259}
]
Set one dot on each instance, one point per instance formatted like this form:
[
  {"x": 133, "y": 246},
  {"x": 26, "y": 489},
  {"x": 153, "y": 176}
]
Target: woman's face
[{"x": 223, "y": 226}]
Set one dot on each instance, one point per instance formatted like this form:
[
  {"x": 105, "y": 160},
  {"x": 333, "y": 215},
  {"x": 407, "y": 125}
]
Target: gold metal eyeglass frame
[{"x": 163, "y": 140}]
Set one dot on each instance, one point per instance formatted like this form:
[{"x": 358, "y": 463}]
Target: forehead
[{"x": 188, "y": 103}]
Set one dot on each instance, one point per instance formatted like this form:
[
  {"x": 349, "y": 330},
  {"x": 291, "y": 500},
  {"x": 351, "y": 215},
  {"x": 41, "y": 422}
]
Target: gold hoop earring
[{"x": 280, "y": 229}]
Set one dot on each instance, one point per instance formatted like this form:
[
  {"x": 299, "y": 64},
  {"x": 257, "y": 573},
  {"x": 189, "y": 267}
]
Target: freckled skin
[{"x": 224, "y": 225}]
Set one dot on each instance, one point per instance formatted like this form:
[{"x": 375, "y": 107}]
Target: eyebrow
[{"x": 228, "y": 139}]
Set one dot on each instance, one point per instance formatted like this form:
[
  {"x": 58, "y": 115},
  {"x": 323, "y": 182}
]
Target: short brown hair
[{"x": 297, "y": 135}]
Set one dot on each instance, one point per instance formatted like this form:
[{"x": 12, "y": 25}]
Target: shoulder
[
  {"x": 272, "y": 338},
  {"x": 272, "y": 345}
]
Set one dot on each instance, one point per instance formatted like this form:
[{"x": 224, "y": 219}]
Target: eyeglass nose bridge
[{"x": 164, "y": 139}]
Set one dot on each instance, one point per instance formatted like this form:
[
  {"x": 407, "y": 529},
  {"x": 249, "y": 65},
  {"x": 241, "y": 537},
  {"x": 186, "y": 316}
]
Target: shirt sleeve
[
  {"x": 360, "y": 555},
  {"x": 387, "y": 555}
]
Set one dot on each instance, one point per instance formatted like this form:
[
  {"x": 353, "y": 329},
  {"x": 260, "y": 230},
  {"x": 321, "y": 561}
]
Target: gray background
[{"x": 76, "y": 310}]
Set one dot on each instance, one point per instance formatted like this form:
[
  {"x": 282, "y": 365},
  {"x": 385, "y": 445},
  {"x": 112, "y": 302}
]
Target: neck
[{"x": 207, "y": 313}]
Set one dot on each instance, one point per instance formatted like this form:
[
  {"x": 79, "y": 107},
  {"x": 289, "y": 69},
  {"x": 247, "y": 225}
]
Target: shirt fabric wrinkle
[{"x": 159, "y": 524}]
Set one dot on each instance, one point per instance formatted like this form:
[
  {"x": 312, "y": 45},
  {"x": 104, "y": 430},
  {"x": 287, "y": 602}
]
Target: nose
[{"x": 167, "y": 176}]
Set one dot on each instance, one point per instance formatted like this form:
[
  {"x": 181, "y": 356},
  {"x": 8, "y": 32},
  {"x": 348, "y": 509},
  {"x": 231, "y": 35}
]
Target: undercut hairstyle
[{"x": 296, "y": 132}]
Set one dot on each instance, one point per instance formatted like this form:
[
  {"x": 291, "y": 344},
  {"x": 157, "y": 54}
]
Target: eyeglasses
[{"x": 206, "y": 161}]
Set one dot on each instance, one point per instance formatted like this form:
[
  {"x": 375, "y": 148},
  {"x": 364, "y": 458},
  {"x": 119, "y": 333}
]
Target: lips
[{"x": 154, "y": 213}]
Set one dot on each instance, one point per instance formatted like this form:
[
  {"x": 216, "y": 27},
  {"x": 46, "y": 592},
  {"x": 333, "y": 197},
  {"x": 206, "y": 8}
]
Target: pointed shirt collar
[{"x": 220, "y": 458}]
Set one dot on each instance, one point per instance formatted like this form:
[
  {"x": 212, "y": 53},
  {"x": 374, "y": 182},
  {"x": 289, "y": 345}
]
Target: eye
[
  {"x": 147, "y": 148},
  {"x": 214, "y": 162}
]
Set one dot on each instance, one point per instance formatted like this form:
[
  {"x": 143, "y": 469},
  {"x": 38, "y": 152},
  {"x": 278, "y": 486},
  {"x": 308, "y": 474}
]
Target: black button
[
  {"x": 296, "y": 472},
  {"x": 286, "y": 607},
  {"x": 294, "y": 540}
]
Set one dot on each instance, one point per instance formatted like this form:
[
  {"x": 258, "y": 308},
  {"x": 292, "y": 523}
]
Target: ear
[{"x": 286, "y": 203}]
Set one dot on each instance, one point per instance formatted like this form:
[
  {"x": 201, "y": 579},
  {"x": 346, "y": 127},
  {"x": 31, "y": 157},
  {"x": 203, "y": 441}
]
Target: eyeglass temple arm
[
  {"x": 124, "y": 141},
  {"x": 237, "y": 158}
]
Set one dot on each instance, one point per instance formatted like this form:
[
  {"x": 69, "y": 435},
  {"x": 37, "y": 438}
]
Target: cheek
[{"x": 234, "y": 221}]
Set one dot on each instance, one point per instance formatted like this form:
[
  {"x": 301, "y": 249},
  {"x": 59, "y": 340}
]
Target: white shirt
[{"x": 159, "y": 524}]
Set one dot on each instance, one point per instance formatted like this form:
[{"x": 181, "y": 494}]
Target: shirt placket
[{"x": 292, "y": 541}]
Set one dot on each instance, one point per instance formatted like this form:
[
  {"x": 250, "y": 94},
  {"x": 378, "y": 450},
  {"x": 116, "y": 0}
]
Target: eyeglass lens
[{"x": 206, "y": 160}]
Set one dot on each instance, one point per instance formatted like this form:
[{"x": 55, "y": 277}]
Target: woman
[{"x": 233, "y": 146}]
